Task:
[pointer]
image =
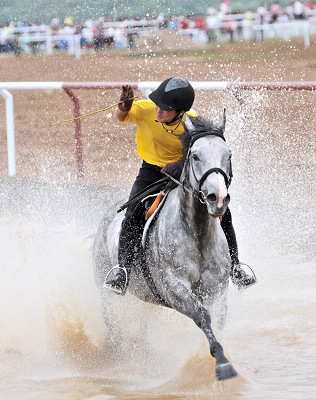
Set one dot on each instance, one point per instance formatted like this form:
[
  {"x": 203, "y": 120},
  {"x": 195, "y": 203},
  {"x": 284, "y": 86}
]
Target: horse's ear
[{"x": 222, "y": 122}]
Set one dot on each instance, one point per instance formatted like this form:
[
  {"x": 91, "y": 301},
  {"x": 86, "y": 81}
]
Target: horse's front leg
[{"x": 180, "y": 298}]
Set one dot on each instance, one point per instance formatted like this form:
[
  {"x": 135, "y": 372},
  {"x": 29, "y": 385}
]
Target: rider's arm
[{"x": 120, "y": 115}]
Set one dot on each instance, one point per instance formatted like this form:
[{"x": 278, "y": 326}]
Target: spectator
[
  {"x": 211, "y": 10},
  {"x": 260, "y": 20},
  {"x": 98, "y": 36},
  {"x": 183, "y": 22},
  {"x": 275, "y": 11},
  {"x": 290, "y": 11},
  {"x": 262, "y": 13},
  {"x": 87, "y": 37},
  {"x": 299, "y": 10},
  {"x": 212, "y": 24},
  {"x": 172, "y": 24},
  {"x": 68, "y": 21},
  {"x": 225, "y": 7},
  {"x": 199, "y": 22},
  {"x": 4, "y": 37},
  {"x": 310, "y": 5},
  {"x": 55, "y": 25}
]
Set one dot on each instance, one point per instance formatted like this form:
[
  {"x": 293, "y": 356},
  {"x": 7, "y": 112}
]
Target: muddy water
[{"x": 53, "y": 342}]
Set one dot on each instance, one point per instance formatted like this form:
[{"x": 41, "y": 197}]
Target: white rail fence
[{"x": 145, "y": 87}]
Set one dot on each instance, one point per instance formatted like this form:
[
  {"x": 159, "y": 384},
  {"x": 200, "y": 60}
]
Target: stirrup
[
  {"x": 255, "y": 280},
  {"x": 111, "y": 288}
]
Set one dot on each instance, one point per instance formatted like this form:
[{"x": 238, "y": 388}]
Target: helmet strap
[{"x": 175, "y": 118}]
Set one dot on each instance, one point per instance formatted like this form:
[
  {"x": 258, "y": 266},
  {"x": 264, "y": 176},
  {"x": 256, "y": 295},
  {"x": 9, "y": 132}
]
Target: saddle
[{"x": 150, "y": 202}]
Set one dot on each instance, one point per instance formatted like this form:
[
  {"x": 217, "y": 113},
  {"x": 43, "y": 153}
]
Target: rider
[{"x": 158, "y": 123}]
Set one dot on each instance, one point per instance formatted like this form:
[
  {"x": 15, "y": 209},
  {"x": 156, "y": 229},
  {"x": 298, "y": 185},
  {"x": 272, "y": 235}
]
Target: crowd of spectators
[{"x": 104, "y": 32}]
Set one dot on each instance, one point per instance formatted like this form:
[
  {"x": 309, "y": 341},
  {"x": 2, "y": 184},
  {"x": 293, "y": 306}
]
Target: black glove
[
  {"x": 170, "y": 167},
  {"x": 127, "y": 93}
]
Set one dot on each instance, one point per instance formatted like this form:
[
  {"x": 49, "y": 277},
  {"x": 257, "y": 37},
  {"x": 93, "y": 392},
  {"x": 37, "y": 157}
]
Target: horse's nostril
[
  {"x": 227, "y": 199},
  {"x": 211, "y": 197}
]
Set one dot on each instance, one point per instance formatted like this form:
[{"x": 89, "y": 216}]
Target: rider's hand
[
  {"x": 126, "y": 104},
  {"x": 170, "y": 167}
]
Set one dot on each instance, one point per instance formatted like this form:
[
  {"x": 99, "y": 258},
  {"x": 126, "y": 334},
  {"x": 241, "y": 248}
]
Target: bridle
[{"x": 185, "y": 183}]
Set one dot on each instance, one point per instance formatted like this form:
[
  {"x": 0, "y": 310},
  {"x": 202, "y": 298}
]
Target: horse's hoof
[{"x": 225, "y": 371}]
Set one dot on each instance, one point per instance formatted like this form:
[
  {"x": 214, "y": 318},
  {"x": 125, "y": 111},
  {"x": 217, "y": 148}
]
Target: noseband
[{"x": 185, "y": 182}]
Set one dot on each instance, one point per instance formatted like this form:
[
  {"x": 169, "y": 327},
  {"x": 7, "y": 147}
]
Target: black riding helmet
[{"x": 173, "y": 94}]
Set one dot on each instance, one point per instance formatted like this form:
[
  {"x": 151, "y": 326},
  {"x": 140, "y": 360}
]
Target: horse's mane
[{"x": 201, "y": 127}]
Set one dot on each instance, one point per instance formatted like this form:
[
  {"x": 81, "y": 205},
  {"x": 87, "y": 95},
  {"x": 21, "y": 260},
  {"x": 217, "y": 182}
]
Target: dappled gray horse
[{"x": 185, "y": 248}]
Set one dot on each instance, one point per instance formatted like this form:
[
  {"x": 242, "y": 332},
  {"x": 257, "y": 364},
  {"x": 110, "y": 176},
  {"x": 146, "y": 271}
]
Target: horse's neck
[{"x": 195, "y": 214}]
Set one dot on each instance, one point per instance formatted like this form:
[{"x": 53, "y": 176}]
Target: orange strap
[{"x": 154, "y": 206}]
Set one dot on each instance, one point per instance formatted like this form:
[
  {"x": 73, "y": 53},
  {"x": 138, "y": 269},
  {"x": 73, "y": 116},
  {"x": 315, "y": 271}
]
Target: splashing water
[{"x": 53, "y": 341}]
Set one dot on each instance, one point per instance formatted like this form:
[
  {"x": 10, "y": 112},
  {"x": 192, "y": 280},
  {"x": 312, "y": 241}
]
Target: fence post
[
  {"x": 78, "y": 139},
  {"x": 306, "y": 33},
  {"x": 10, "y": 130},
  {"x": 77, "y": 46},
  {"x": 49, "y": 44}
]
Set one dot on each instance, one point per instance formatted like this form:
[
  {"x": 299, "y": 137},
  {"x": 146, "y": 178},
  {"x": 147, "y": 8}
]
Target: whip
[{"x": 94, "y": 112}]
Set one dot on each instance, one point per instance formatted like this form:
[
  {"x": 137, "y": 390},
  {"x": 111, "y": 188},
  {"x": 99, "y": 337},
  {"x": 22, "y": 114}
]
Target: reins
[{"x": 190, "y": 189}]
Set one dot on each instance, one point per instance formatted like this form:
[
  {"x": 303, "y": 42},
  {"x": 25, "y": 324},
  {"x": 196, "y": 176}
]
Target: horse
[{"x": 186, "y": 251}]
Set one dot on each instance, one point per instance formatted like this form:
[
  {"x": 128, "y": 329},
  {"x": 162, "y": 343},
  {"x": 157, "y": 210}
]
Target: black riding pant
[
  {"x": 147, "y": 175},
  {"x": 131, "y": 230}
]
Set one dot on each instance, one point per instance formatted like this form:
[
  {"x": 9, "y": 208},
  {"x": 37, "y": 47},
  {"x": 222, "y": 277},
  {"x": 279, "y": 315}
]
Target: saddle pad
[
  {"x": 154, "y": 206},
  {"x": 150, "y": 219}
]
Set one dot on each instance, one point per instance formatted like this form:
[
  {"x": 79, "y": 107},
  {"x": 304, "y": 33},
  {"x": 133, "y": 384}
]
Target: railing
[
  {"x": 145, "y": 87},
  {"x": 73, "y": 42}
]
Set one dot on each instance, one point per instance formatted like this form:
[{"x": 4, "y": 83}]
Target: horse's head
[{"x": 207, "y": 164}]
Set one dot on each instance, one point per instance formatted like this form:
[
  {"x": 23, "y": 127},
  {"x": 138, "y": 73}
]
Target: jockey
[{"x": 158, "y": 122}]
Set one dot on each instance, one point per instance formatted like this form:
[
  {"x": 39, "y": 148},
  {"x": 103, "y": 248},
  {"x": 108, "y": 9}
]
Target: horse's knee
[{"x": 202, "y": 318}]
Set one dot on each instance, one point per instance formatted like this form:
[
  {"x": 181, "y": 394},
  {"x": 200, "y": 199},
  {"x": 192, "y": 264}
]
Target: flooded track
[{"x": 54, "y": 344}]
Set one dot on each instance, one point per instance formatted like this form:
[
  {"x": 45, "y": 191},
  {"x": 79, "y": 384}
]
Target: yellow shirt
[{"x": 154, "y": 144}]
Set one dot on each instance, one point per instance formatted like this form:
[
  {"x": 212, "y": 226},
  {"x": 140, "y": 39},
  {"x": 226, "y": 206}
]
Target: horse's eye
[{"x": 195, "y": 157}]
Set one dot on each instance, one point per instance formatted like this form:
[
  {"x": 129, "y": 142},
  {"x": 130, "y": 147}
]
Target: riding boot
[
  {"x": 238, "y": 276},
  {"x": 130, "y": 236},
  {"x": 119, "y": 283}
]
